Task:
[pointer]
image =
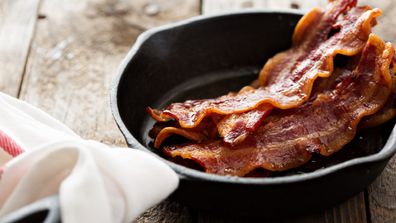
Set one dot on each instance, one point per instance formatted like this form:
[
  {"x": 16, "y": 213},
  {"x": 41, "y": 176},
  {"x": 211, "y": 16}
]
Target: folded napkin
[{"x": 40, "y": 156}]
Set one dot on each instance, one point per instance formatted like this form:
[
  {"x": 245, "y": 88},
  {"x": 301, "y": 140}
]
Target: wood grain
[
  {"x": 75, "y": 53},
  {"x": 167, "y": 211},
  {"x": 347, "y": 212},
  {"x": 203, "y": 217},
  {"x": 17, "y": 21},
  {"x": 77, "y": 47},
  {"x": 382, "y": 196},
  {"x": 222, "y": 6}
]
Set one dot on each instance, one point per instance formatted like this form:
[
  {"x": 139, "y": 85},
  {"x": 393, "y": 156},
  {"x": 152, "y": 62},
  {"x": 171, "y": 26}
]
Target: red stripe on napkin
[{"x": 9, "y": 145}]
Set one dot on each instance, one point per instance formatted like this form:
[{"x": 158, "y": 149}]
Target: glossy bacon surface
[
  {"x": 288, "y": 139},
  {"x": 388, "y": 112},
  {"x": 236, "y": 127},
  {"x": 289, "y": 84},
  {"x": 206, "y": 130}
]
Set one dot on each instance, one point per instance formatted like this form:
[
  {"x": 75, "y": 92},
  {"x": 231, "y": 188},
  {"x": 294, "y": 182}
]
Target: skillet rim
[{"x": 187, "y": 173}]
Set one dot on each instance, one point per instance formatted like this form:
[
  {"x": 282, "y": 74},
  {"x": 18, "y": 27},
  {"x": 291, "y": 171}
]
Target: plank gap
[
  {"x": 22, "y": 79},
  {"x": 367, "y": 205},
  {"x": 201, "y": 9},
  {"x": 17, "y": 25}
]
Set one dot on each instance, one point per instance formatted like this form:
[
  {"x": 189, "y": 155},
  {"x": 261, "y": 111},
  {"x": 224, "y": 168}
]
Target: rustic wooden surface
[
  {"x": 17, "y": 20},
  {"x": 61, "y": 55}
]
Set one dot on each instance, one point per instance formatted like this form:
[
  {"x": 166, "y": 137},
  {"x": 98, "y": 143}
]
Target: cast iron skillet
[
  {"x": 46, "y": 210},
  {"x": 211, "y": 55}
]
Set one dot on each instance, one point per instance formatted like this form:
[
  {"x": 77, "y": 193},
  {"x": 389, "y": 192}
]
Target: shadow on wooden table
[
  {"x": 203, "y": 216},
  {"x": 352, "y": 210}
]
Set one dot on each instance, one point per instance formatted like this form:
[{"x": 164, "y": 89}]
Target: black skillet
[{"x": 211, "y": 55}]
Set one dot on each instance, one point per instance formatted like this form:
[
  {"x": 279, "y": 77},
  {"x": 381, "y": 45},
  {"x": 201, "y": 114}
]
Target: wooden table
[{"x": 61, "y": 55}]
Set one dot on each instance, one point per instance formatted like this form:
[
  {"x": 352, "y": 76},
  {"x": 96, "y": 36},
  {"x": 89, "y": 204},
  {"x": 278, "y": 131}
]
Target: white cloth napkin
[{"x": 95, "y": 183}]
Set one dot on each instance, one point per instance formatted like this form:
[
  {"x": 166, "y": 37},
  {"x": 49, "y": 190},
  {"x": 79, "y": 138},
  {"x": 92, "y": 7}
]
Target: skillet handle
[{"x": 46, "y": 210}]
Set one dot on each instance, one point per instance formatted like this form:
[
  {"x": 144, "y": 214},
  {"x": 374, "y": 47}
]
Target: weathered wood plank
[
  {"x": 167, "y": 211},
  {"x": 222, "y": 6},
  {"x": 353, "y": 210},
  {"x": 75, "y": 53},
  {"x": 17, "y": 22},
  {"x": 347, "y": 212},
  {"x": 210, "y": 218},
  {"x": 382, "y": 196}
]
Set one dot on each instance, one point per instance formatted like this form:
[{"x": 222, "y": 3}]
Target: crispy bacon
[
  {"x": 378, "y": 118},
  {"x": 311, "y": 30},
  {"x": 287, "y": 79},
  {"x": 206, "y": 130},
  {"x": 236, "y": 127},
  {"x": 169, "y": 131},
  {"x": 387, "y": 113},
  {"x": 323, "y": 125}
]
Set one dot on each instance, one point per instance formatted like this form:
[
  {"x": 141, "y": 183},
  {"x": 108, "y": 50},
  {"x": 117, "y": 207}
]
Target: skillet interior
[{"x": 209, "y": 56}]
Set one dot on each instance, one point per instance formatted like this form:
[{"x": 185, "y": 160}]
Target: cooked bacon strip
[
  {"x": 288, "y": 85},
  {"x": 387, "y": 113},
  {"x": 158, "y": 115},
  {"x": 206, "y": 130},
  {"x": 323, "y": 125},
  {"x": 393, "y": 67},
  {"x": 378, "y": 118},
  {"x": 235, "y": 127},
  {"x": 169, "y": 131}
]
